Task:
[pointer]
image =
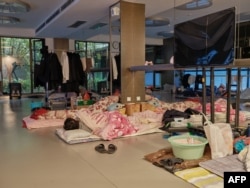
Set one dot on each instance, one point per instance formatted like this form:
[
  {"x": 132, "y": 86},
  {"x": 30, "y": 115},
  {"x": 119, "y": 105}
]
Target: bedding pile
[{"x": 107, "y": 118}]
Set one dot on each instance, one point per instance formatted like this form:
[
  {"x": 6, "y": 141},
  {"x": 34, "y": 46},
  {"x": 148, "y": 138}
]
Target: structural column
[{"x": 132, "y": 17}]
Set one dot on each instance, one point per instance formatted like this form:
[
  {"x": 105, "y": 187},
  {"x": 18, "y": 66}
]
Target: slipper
[
  {"x": 111, "y": 149},
  {"x": 101, "y": 148},
  {"x": 168, "y": 164}
]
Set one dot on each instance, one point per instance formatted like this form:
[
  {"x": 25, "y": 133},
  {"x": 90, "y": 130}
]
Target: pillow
[
  {"x": 61, "y": 114},
  {"x": 76, "y": 134},
  {"x": 102, "y": 104}
]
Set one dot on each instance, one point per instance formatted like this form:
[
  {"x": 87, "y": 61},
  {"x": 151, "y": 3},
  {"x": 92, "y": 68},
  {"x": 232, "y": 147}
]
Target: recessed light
[
  {"x": 13, "y": 6},
  {"x": 156, "y": 21},
  {"x": 195, "y": 5},
  {"x": 8, "y": 20}
]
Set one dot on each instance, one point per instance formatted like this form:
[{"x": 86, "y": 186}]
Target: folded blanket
[{"x": 201, "y": 178}]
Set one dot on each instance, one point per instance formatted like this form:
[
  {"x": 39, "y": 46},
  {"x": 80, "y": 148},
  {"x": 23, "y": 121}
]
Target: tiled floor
[{"x": 39, "y": 159}]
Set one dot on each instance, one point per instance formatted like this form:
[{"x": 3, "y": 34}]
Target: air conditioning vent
[
  {"x": 55, "y": 14},
  {"x": 77, "y": 24},
  {"x": 65, "y": 5},
  {"x": 40, "y": 27},
  {"x": 52, "y": 16}
]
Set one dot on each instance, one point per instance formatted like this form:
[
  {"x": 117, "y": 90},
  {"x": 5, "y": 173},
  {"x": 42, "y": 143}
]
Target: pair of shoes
[
  {"x": 169, "y": 164},
  {"x": 101, "y": 148}
]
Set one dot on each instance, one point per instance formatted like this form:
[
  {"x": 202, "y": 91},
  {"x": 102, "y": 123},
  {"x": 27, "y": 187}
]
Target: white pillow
[{"x": 76, "y": 134}]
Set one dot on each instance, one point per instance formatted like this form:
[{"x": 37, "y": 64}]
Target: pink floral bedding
[
  {"x": 48, "y": 118},
  {"x": 220, "y": 108},
  {"x": 110, "y": 125},
  {"x": 117, "y": 125}
]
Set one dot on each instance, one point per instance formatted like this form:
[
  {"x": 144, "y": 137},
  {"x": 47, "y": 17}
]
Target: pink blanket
[
  {"x": 118, "y": 125},
  {"x": 30, "y": 123},
  {"x": 220, "y": 106},
  {"x": 112, "y": 124}
]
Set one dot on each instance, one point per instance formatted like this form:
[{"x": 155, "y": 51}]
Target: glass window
[
  {"x": 97, "y": 54},
  {"x": 220, "y": 77},
  {"x": 153, "y": 79},
  {"x": 37, "y": 45},
  {"x": 15, "y": 63}
]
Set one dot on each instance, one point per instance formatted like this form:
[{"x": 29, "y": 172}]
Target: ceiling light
[
  {"x": 156, "y": 21},
  {"x": 13, "y": 6},
  {"x": 195, "y": 5},
  {"x": 8, "y": 20}
]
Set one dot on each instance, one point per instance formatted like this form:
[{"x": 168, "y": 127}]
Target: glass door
[
  {"x": 18, "y": 56},
  {"x": 37, "y": 45},
  {"x": 15, "y": 63},
  {"x": 97, "y": 64}
]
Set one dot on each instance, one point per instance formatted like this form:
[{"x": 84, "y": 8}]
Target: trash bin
[{"x": 15, "y": 90}]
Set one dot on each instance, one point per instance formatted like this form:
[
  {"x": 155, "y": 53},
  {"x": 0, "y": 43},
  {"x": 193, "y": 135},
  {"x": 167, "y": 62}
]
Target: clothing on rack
[
  {"x": 116, "y": 72},
  {"x": 117, "y": 81},
  {"x": 84, "y": 66},
  {"x": 76, "y": 73},
  {"x": 114, "y": 68},
  {"x": 48, "y": 71},
  {"x": 65, "y": 66},
  {"x": 52, "y": 73}
]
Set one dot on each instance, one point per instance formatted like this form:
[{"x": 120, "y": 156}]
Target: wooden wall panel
[
  {"x": 132, "y": 51},
  {"x": 61, "y": 44}
]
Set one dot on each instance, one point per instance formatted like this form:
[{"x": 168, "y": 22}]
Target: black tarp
[{"x": 205, "y": 41}]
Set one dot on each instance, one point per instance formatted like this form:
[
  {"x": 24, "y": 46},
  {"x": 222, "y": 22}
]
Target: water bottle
[{"x": 247, "y": 132}]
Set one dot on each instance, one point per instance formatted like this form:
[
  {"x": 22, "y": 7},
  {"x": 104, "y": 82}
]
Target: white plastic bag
[{"x": 220, "y": 138}]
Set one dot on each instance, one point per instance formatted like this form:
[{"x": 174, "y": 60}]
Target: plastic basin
[{"x": 188, "y": 147}]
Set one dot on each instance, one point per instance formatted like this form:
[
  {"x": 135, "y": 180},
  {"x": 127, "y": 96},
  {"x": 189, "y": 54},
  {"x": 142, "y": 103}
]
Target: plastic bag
[{"x": 220, "y": 138}]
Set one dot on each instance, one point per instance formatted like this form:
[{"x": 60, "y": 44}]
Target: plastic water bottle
[{"x": 247, "y": 132}]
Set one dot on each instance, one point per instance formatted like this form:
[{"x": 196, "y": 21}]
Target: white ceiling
[{"x": 97, "y": 11}]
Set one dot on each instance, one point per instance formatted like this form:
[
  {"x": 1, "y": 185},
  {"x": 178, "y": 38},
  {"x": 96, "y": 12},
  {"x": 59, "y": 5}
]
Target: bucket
[{"x": 188, "y": 147}]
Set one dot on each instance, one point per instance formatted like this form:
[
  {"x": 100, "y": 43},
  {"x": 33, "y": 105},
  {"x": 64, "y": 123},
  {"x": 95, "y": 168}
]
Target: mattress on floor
[
  {"x": 76, "y": 136},
  {"x": 84, "y": 136}
]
